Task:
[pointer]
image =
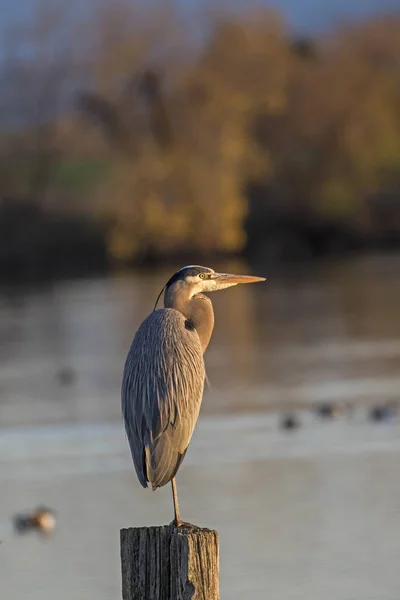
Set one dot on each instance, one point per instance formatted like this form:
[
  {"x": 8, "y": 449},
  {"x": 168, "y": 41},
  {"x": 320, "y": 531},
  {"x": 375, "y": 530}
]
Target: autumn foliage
[{"x": 174, "y": 137}]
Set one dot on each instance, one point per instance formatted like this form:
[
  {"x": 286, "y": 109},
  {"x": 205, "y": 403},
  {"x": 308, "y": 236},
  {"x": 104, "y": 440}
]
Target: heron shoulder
[
  {"x": 165, "y": 341},
  {"x": 169, "y": 326}
]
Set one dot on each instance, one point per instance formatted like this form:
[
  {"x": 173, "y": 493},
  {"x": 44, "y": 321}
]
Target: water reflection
[{"x": 325, "y": 333}]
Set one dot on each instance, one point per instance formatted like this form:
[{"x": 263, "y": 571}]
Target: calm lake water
[{"x": 313, "y": 513}]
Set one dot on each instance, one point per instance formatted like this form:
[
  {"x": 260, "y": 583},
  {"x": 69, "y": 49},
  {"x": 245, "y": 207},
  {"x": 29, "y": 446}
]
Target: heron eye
[{"x": 203, "y": 275}]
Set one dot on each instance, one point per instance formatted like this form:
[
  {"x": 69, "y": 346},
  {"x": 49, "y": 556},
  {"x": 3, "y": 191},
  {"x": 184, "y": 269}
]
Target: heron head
[{"x": 195, "y": 279}]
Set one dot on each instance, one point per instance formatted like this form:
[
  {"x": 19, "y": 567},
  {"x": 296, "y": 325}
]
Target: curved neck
[{"x": 198, "y": 310}]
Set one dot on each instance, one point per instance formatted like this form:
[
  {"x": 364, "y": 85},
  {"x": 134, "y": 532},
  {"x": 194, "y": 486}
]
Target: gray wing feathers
[{"x": 162, "y": 388}]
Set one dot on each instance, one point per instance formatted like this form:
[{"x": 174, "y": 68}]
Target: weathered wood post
[{"x": 169, "y": 563}]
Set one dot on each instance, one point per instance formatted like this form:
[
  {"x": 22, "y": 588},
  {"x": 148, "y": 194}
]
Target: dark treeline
[{"x": 125, "y": 137}]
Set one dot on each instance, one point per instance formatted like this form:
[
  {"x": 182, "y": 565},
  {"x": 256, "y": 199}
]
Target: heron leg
[{"x": 178, "y": 520}]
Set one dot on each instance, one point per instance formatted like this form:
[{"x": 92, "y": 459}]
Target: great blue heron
[{"x": 163, "y": 380}]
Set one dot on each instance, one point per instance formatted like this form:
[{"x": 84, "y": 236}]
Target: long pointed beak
[{"x": 230, "y": 279}]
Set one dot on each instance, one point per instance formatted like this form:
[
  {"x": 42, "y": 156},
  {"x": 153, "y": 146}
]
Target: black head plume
[{"x": 159, "y": 296}]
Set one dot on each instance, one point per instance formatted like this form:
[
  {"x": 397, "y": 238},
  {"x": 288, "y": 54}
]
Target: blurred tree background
[{"x": 130, "y": 133}]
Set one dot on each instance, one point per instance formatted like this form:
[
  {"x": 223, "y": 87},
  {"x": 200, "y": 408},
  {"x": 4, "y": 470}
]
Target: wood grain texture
[{"x": 168, "y": 563}]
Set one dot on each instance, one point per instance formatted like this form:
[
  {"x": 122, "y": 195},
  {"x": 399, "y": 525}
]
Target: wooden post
[{"x": 169, "y": 563}]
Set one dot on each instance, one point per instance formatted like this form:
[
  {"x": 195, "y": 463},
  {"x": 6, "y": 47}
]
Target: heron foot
[{"x": 180, "y": 523}]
